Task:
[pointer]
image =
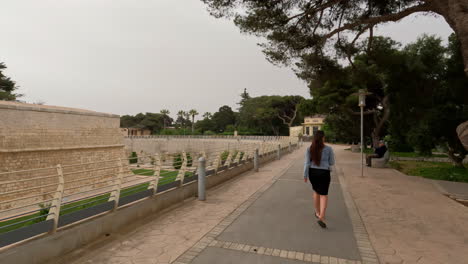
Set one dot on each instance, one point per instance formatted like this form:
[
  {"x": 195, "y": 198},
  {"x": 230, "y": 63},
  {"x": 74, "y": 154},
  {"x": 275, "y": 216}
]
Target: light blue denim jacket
[{"x": 328, "y": 160}]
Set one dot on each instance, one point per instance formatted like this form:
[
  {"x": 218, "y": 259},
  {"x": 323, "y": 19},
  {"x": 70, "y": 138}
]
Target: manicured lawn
[
  {"x": 166, "y": 177},
  {"x": 432, "y": 170},
  {"x": 405, "y": 154},
  {"x": 415, "y": 155}
]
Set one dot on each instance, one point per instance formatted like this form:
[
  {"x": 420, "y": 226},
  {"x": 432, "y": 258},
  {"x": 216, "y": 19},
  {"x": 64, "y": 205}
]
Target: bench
[
  {"x": 355, "y": 148},
  {"x": 381, "y": 162}
]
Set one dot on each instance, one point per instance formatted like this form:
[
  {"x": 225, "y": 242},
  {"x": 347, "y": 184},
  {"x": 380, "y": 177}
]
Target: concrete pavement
[
  {"x": 264, "y": 217},
  {"x": 277, "y": 225},
  {"x": 408, "y": 219}
]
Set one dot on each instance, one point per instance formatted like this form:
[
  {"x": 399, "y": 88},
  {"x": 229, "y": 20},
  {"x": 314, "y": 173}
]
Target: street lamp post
[{"x": 362, "y": 104}]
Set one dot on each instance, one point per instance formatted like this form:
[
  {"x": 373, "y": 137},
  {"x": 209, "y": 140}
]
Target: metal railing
[{"x": 45, "y": 199}]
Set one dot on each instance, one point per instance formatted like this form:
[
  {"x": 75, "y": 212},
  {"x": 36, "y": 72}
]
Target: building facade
[
  {"x": 135, "y": 132},
  {"x": 312, "y": 124}
]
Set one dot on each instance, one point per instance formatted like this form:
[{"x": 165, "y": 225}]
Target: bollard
[
  {"x": 256, "y": 160},
  {"x": 278, "y": 152},
  {"x": 201, "y": 179},
  {"x": 289, "y": 147}
]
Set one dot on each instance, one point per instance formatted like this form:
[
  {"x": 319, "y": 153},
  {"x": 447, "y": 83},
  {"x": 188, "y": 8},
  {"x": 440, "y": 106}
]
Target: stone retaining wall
[{"x": 37, "y": 136}]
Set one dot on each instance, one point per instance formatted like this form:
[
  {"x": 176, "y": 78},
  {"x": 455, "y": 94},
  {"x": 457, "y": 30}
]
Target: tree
[
  {"x": 431, "y": 98},
  {"x": 153, "y": 122},
  {"x": 127, "y": 121},
  {"x": 244, "y": 97},
  {"x": 206, "y": 124},
  {"x": 207, "y": 115},
  {"x": 180, "y": 121},
  {"x": 262, "y": 114},
  {"x": 193, "y": 113},
  {"x": 295, "y": 28},
  {"x": 224, "y": 117},
  {"x": 165, "y": 113},
  {"x": 288, "y": 108},
  {"x": 186, "y": 120},
  {"x": 7, "y": 86}
]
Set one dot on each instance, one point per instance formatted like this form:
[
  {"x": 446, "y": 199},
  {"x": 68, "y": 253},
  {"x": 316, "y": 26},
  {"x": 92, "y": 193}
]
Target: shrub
[
  {"x": 133, "y": 158},
  {"x": 177, "y": 163},
  {"x": 224, "y": 157},
  {"x": 43, "y": 212}
]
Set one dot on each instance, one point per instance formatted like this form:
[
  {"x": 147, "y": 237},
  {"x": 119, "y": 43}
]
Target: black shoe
[{"x": 322, "y": 224}]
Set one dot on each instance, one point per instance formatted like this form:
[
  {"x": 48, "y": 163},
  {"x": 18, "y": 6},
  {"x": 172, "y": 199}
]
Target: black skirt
[{"x": 320, "y": 180}]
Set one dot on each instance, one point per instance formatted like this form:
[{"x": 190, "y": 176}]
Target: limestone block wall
[{"x": 37, "y": 136}]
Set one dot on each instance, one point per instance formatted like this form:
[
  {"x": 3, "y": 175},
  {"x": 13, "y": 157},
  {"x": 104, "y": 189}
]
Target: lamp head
[{"x": 362, "y": 97}]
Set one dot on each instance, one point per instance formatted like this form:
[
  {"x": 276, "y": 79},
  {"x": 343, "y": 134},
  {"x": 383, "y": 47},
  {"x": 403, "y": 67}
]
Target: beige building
[
  {"x": 135, "y": 131},
  {"x": 312, "y": 124}
]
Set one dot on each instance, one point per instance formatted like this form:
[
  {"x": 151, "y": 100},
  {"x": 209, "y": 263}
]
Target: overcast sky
[{"x": 126, "y": 57}]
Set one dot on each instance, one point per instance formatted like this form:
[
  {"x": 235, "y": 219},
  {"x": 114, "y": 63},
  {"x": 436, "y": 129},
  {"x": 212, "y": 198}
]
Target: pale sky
[{"x": 126, "y": 57}]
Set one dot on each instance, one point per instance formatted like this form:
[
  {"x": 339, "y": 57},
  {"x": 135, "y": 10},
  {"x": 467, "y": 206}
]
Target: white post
[
  {"x": 183, "y": 168},
  {"x": 54, "y": 211},
  {"x": 246, "y": 154},
  {"x": 156, "y": 173},
  {"x": 362, "y": 104},
  {"x": 201, "y": 179},
  {"x": 228, "y": 159},
  {"x": 237, "y": 157},
  {"x": 256, "y": 160},
  {"x": 217, "y": 161},
  {"x": 278, "y": 152},
  {"x": 362, "y": 141},
  {"x": 115, "y": 195}
]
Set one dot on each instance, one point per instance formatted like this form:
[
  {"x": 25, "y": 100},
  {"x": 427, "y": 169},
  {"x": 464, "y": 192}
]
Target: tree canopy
[
  {"x": 7, "y": 86},
  {"x": 297, "y": 28}
]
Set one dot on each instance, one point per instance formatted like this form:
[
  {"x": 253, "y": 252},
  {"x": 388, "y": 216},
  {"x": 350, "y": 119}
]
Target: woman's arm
[
  {"x": 306, "y": 164},
  {"x": 331, "y": 157}
]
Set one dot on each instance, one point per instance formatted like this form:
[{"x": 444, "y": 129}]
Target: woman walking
[{"x": 318, "y": 161}]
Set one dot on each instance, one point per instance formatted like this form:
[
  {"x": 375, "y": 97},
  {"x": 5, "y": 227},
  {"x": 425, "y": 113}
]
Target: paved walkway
[
  {"x": 263, "y": 217},
  {"x": 408, "y": 219},
  {"x": 277, "y": 225}
]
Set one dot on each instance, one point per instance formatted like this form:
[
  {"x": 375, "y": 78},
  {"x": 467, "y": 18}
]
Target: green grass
[
  {"x": 416, "y": 155},
  {"x": 406, "y": 154},
  {"x": 166, "y": 178},
  {"x": 432, "y": 170},
  {"x": 18, "y": 220}
]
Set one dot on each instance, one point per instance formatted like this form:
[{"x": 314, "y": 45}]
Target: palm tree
[
  {"x": 165, "y": 114},
  {"x": 186, "y": 119},
  {"x": 193, "y": 113},
  {"x": 207, "y": 115},
  {"x": 180, "y": 117}
]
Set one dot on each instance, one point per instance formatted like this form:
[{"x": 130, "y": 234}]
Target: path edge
[{"x": 366, "y": 250}]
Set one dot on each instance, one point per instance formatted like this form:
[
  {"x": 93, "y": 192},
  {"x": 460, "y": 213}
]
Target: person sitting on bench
[{"x": 378, "y": 153}]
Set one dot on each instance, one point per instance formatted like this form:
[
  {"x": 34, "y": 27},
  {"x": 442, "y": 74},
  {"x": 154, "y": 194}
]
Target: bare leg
[
  {"x": 317, "y": 203},
  {"x": 323, "y": 206}
]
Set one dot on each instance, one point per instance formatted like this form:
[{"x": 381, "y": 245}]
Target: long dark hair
[{"x": 317, "y": 147}]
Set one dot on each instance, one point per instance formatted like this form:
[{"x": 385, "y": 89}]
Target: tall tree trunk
[
  {"x": 462, "y": 131},
  {"x": 455, "y": 13},
  {"x": 193, "y": 123},
  {"x": 379, "y": 123},
  {"x": 457, "y": 160}
]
